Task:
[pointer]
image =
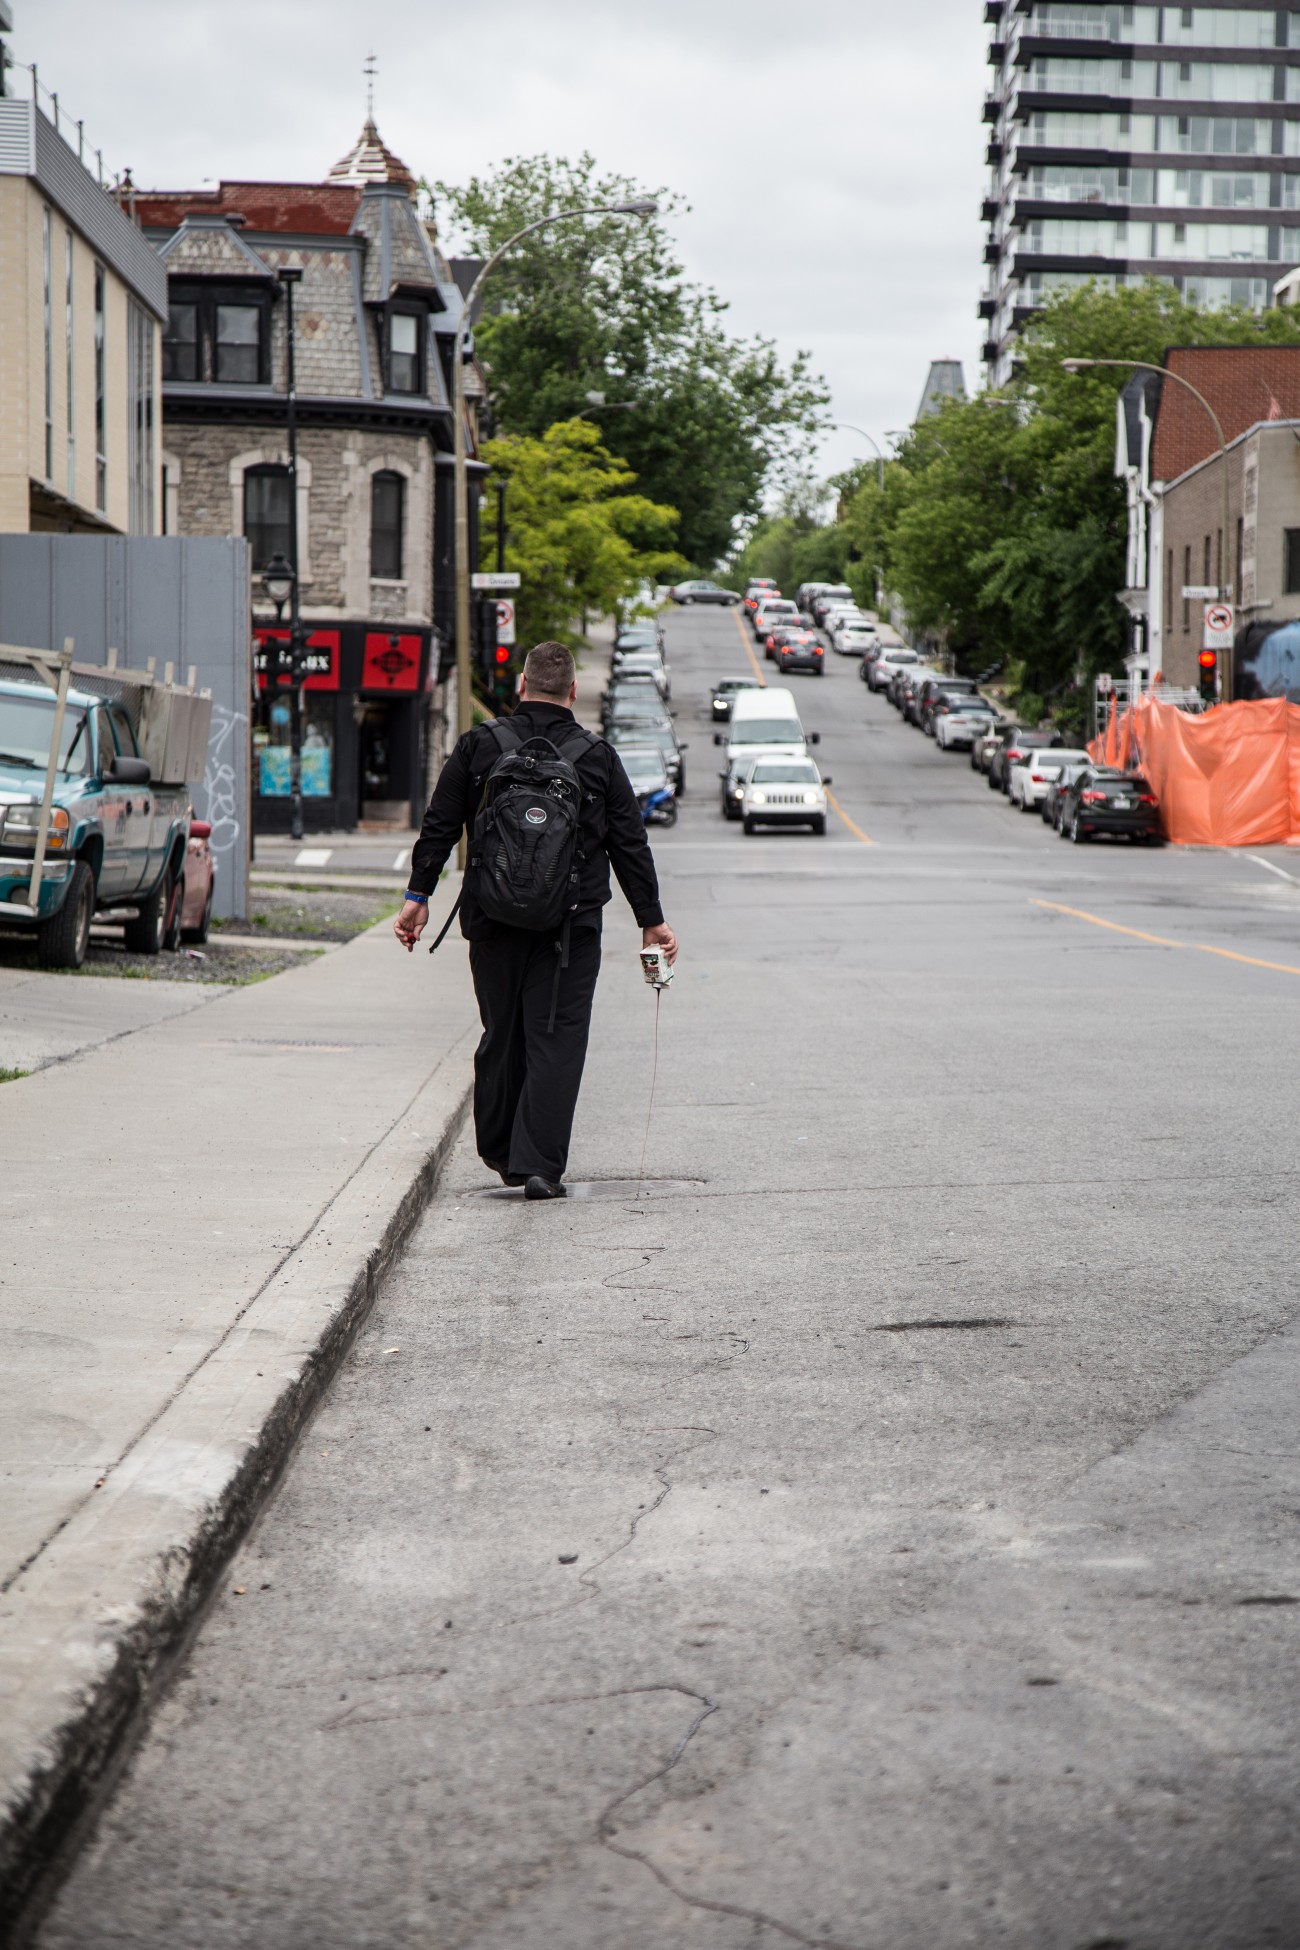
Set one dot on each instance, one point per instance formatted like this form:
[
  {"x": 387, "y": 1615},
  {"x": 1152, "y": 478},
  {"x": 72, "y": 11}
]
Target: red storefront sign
[
  {"x": 392, "y": 662},
  {"x": 322, "y": 659}
]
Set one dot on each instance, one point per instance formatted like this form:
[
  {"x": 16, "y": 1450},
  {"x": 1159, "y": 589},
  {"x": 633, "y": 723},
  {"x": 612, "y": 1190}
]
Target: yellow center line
[
  {"x": 749, "y": 648},
  {"x": 1162, "y": 941},
  {"x": 856, "y": 830}
]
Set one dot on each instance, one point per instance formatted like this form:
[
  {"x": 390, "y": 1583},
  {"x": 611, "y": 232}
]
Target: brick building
[
  {"x": 375, "y": 314},
  {"x": 1169, "y": 456}
]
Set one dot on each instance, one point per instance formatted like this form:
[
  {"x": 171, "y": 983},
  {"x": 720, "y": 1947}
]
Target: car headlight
[
  {"x": 758, "y": 798},
  {"x": 812, "y": 798},
  {"x": 19, "y": 824}
]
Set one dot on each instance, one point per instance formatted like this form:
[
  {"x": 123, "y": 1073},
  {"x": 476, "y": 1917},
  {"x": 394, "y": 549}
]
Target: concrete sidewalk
[{"x": 196, "y": 1217}]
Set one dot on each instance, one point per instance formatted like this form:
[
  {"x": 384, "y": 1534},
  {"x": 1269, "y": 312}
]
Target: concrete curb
[{"x": 96, "y": 1623}]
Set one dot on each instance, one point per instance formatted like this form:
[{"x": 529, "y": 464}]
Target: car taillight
[
  {"x": 1036, "y": 778},
  {"x": 1146, "y": 798},
  {"x": 1092, "y": 798}
]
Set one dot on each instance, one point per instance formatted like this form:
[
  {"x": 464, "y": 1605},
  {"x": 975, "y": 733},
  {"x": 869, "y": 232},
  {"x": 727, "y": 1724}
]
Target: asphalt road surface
[{"x": 886, "y": 1537}]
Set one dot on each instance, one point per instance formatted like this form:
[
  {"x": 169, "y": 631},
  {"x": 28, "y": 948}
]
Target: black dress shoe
[
  {"x": 507, "y": 1177},
  {"x": 543, "y": 1188}
]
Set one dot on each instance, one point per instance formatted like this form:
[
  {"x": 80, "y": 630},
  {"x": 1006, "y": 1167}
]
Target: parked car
[
  {"x": 986, "y": 742},
  {"x": 724, "y": 696},
  {"x": 645, "y": 768},
  {"x": 959, "y": 721},
  {"x": 1052, "y": 799},
  {"x": 642, "y": 663},
  {"x": 1102, "y": 801},
  {"x": 908, "y": 690},
  {"x": 879, "y": 673},
  {"x": 836, "y": 613},
  {"x": 1013, "y": 744},
  {"x": 783, "y": 792},
  {"x": 932, "y": 688},
  {"x": 853, "y": 636},
  {"x": 1029, "y": 777},
  {"x": 194, "y": 911},
  {"x": 662, "y": 735},
  {"x": 117, "y": 841},
  {"x": 834, "y": 592},
  {"x": 636, "y": 687},
  {"x": 702, "y": 591}
]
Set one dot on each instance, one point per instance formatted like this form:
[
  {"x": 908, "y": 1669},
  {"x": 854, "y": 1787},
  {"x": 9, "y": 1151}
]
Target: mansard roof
[{"x": 298, "y": 209}]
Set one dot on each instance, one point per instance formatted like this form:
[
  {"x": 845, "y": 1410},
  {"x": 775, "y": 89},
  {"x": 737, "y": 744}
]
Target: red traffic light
[
  {"x": 1208, "y": 659},
  {"x": 503, "y": 654}
]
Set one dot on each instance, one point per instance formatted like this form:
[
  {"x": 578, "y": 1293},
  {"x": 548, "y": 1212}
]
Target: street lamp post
[
  {"x": 1225, "y": 586},
  {"x": 290, "y": 276},
  {"x": 638, "y": 207},
  {"x": 846, "y": 426}
]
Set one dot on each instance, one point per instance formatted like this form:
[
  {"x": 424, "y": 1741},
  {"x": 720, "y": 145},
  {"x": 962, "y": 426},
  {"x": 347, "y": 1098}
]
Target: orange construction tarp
[{"x": 1228, "y": 777}]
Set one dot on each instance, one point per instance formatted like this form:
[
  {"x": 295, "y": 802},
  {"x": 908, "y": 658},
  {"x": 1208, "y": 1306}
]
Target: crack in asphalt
[{"x": 605, "y": 1831}]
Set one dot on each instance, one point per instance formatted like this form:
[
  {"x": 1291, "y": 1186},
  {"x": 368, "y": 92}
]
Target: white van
[{"x": 764, "y": 724}]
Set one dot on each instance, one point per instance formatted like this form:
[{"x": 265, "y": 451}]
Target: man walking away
[{"x": 549, "y": 809}]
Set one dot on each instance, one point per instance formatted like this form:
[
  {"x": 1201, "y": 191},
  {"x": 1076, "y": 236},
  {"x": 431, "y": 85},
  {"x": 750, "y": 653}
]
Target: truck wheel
[
  {"x": 750, "y": 827},
  {"x": 144, "y": 935},
  {"x": 62, "y": 941}
]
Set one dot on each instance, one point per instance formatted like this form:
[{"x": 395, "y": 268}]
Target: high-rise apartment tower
[{"x": 1134, "y": 142}]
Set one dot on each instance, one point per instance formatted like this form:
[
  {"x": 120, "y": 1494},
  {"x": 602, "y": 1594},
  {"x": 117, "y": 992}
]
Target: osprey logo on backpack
[{"x": 536, "y": 815}]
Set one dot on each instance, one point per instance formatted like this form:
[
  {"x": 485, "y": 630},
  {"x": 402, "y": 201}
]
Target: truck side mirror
[
  {"x": 717, "y": 737},
  {"x": 814, "y": 738},
  {"x": 128, "y": 771}
]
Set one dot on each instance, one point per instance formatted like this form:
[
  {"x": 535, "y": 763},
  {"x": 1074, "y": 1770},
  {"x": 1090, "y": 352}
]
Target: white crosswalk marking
[
  {"x": 403, "y": 860},
  {"x": 313, "y": 856}
]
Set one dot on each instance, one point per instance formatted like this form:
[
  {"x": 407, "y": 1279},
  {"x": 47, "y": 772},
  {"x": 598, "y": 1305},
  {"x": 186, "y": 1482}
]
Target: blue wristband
[{"x": 422, "y": 898}]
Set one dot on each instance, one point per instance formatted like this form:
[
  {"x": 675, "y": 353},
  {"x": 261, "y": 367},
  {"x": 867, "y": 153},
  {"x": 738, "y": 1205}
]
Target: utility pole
[{"x": 290, "y": 276}]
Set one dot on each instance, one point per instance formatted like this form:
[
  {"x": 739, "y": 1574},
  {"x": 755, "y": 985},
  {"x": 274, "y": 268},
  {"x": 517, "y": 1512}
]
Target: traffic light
[
  {"x": 503, "y": 678},
  {"x": 1208, "y": 674}
]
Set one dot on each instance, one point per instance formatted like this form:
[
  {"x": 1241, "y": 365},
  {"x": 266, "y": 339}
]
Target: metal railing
[{"x": 64, "y": 124}]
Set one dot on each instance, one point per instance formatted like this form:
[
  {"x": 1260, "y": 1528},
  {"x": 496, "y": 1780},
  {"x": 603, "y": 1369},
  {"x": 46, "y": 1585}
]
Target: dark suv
[{"x": 1102, "y": 801}]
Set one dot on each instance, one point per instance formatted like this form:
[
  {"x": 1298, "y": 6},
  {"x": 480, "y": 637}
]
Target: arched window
[
  {"x": 387, "y": 498},
  {"x": 267, "y": 512}
]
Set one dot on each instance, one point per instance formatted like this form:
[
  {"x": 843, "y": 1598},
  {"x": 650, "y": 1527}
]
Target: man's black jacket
[{"x": 610, "y": 827}]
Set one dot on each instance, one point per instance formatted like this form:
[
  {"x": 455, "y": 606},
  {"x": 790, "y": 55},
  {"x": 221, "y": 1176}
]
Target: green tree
[
  {"x": 1001, "y": 523},
  {"x": 579, "y": 539},
  {"x": 602, "y": 305}
]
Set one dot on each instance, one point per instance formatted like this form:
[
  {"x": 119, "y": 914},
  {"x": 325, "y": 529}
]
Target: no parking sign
[
  {"x": 505, "y": 622},
  {"x": 1218, "y": 627}
]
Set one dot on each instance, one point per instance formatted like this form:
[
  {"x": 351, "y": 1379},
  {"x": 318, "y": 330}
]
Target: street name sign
[
  {"x": 1200, "y": 592},
  {"x": 495, "y": 579},
  {"x": 1218, "y": 626}
]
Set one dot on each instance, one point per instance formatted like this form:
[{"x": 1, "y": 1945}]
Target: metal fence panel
[{"x": 183, "y": 599}]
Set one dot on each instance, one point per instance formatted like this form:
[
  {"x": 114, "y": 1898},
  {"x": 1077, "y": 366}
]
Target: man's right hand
[{"x": 411, "y": 923}]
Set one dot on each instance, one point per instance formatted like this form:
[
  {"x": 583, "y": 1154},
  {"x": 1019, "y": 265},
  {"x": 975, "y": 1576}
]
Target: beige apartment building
[{"x": 83, "y": 298}]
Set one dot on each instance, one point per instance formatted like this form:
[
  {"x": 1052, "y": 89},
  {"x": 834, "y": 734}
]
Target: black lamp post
[{"x": 282, "y": 576}]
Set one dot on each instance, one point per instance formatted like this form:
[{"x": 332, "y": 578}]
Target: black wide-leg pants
[{"x": 526, "y": 1079}]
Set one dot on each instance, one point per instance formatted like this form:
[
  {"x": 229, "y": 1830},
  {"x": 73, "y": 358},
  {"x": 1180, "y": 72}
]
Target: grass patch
[{"x": 12, "y": 1076}]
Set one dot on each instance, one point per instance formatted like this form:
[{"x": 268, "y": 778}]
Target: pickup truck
[{"x": 116, "y": 840}]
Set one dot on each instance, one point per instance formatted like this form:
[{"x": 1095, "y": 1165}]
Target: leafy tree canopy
[
  {"x": 601, "y": 304},
  {"x": 579, "y": 539},
  {"x": 1001, "y": 524}
]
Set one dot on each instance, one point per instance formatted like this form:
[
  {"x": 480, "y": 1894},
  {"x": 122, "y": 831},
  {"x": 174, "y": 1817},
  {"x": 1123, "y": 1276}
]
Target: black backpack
[{"x": 524, "y": 860}]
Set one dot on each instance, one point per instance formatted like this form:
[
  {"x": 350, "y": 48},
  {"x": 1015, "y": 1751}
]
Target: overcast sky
[{"x": 831, "y": 150}]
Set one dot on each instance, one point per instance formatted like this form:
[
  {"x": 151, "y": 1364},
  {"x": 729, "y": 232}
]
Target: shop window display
[{"x": 271, "y": 739}]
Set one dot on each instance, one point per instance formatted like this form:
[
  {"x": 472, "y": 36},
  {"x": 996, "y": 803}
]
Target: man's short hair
[{"x": 549, "y": 671}]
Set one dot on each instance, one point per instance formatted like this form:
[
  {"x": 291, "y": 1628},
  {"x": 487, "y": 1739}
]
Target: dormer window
[
  {"x": 218, "y": 334},
  {"x": 404, "y": 374}
]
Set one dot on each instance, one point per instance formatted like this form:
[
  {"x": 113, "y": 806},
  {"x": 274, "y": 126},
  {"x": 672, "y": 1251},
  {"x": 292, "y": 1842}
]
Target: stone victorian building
[{"x": 375, "y": 310}]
